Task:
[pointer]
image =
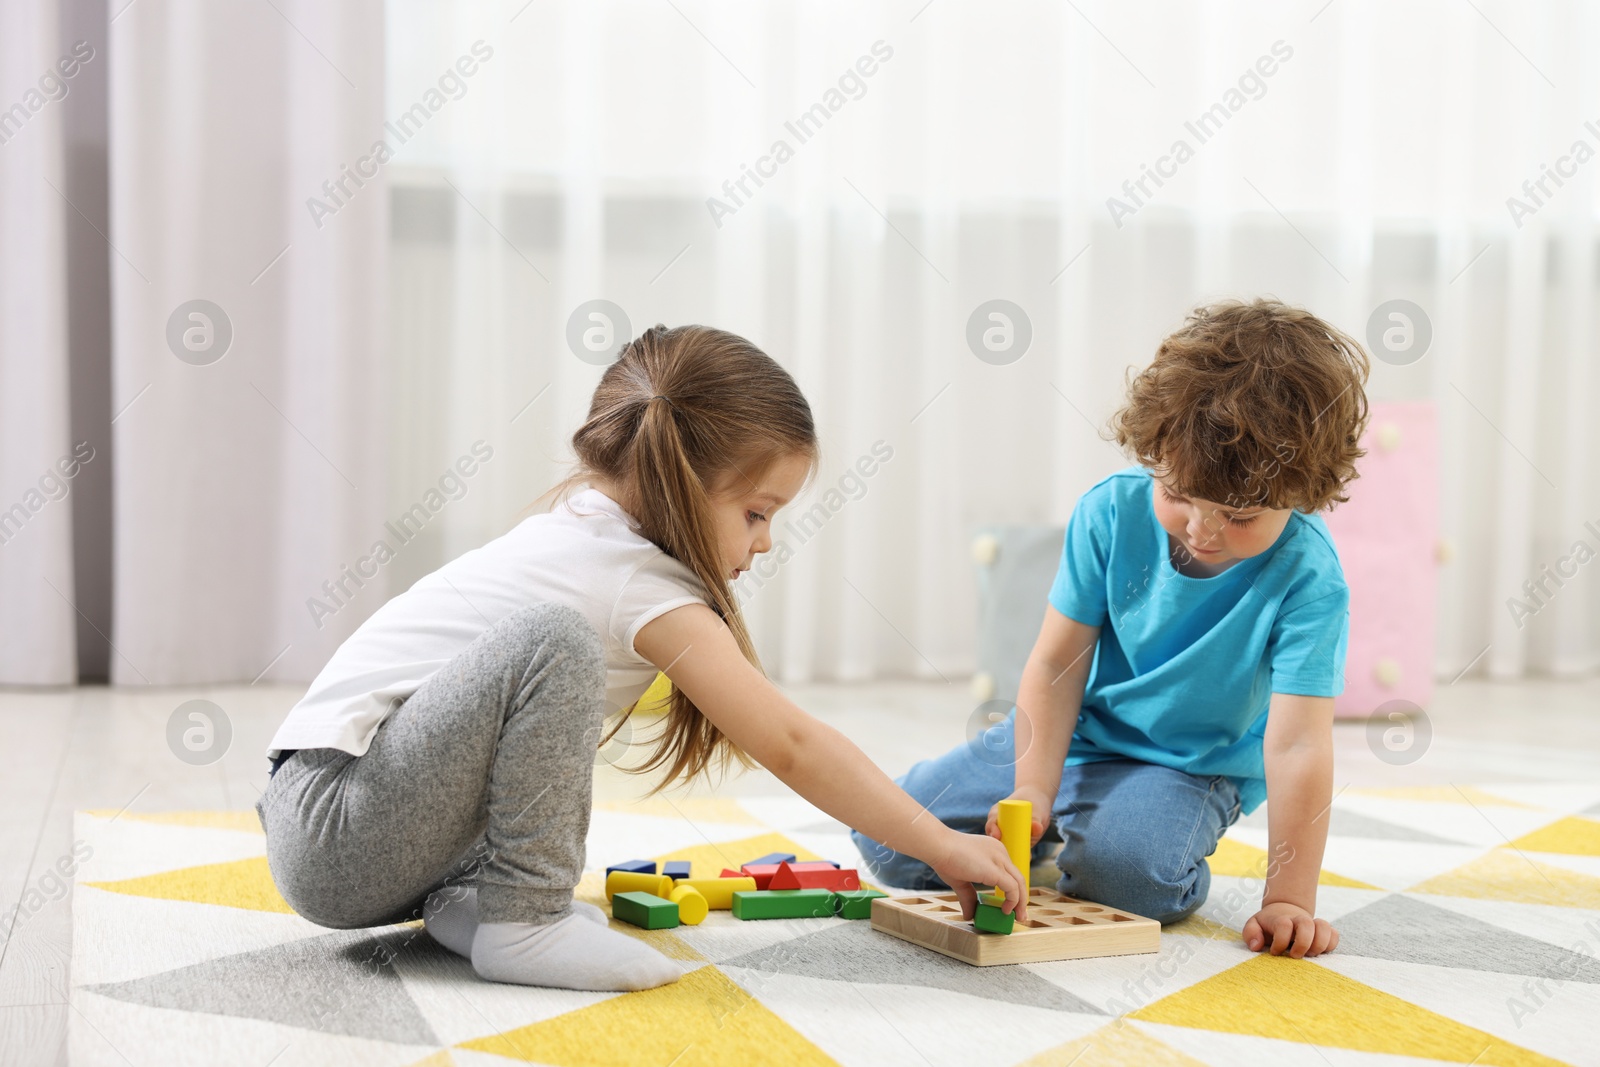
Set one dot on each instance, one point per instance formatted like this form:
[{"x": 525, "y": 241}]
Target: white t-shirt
[{"x": 584, "y": 553}]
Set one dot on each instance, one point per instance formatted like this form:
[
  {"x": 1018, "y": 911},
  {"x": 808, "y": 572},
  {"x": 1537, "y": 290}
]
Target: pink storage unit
[{"x": 1388, "y": 541}]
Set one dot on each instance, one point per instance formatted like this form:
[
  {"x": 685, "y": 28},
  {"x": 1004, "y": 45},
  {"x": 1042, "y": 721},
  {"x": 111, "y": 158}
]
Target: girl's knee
[{"x": 559, "y": 629}]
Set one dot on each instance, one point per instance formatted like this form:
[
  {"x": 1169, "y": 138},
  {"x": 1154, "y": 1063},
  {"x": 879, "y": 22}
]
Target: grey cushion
[{"x": 1016, "y": 565}]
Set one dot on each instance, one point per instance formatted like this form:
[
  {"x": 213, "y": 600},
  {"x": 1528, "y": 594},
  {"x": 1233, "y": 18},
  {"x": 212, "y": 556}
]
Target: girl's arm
[{"x": 698, "y": 653}]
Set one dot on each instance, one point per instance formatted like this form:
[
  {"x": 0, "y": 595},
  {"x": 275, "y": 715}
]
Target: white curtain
[
  {"x": 1356, "y": 152},
  {"x": 244, "y": 477},
  {"x": 542, "y": 156},
  {"x": 37, "y": 590}
]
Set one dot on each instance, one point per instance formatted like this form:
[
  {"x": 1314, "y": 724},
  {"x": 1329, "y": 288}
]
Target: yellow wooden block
[
  {"x": 718, "y": 891},
  {"x": 692, "y": 906},
  {"x": 633, "y": 882},
  {"x": 1016, "y": 833}
]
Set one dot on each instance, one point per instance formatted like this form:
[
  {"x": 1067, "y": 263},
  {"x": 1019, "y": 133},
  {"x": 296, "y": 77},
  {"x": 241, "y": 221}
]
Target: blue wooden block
[
  {"x": 636, "y": 866},
  {"x": 676, "y": 869},
  {"x": 771, "y": 857}
]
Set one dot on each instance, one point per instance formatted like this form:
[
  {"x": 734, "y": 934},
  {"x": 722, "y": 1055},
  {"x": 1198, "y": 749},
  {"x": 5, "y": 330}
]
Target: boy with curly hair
[{"x": 1194, "y": 637}]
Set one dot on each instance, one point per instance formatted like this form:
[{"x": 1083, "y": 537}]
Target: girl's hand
[
  {"x": 1041, "y": 813},
  {"x": 974, "y": 858}
]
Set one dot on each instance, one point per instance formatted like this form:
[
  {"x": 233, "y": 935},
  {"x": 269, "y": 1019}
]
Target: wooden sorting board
[{"x": 1058, "y": 928}]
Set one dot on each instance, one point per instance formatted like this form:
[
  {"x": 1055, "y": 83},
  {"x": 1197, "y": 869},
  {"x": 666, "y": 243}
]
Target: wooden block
[
  {"x": 717, "y": 891},
  {"x": 1058, "y": 928},
  {"x": 774, "y": 858},
  {"x": 787, "y": 877},
  {"x": 632, "y": 882},
  {"x": 783, "y": 904},
  {"x": 676, "y": 869},
  {"x": 645, "y": 909},
  {"x": 855, "y": 903},
  {"x": 634, "y": 867},
  {"x": 692, "y": 906},
  {"x": 763, "y": 872},
  {"x": 990, "y": 917},
  {"x": 731, "y": 874},
  {"x": 1016, "y": 833}
]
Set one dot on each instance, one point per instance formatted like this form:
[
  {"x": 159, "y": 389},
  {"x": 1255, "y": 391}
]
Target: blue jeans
[{"x": 1134, "y": 835}]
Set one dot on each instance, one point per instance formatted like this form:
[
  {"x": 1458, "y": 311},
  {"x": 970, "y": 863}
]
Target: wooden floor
[{"x": 68, "y": 750}]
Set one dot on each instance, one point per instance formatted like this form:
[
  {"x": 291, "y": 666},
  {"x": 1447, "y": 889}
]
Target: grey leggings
[{"x": 483, "y": 777}]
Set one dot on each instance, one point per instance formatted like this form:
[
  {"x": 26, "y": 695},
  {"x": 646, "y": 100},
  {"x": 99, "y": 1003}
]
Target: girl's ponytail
[
  {"x": 674, "y": 507},
  {"x": 680, "y": 411}
]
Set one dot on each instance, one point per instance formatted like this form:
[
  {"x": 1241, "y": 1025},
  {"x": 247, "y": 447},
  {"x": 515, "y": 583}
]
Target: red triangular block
[
  {"x": 813, "y": 876},
  {"x": 763, "y": 872}
]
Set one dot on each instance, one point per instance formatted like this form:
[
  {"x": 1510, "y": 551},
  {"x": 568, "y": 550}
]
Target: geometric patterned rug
[{"x": 1469, "y": 921}]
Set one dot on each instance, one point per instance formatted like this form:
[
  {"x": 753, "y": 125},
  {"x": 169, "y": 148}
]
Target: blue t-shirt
[{"x": 1183, "y": 674}]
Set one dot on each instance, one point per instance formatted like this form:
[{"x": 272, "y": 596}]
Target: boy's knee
[
  {"x": 893, "y": 868},
  {"x": 1123, "y": 882},
  {"x": 1169, "y": 905}
]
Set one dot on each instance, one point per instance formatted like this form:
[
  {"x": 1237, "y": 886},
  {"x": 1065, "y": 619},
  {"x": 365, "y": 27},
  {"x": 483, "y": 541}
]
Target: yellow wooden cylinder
[
  {"x": 718, "y": 891},
  {"x": 692, "y": 906},
  {"x": 634, "y": 882},
  {"x": 1016, "y": 833}
]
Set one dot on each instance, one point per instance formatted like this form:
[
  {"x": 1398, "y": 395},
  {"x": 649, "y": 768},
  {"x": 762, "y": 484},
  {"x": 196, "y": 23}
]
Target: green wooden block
[
  {"x": 989, "y": 918},
  {"x": 854, "y": 903},
  {"x": 782, "y": 904},
  {"x": 646, "y": 910}
]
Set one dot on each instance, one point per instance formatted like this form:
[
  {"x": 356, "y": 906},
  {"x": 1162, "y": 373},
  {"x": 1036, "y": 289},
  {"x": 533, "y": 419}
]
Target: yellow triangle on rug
[
  {"x": 1297, "y": 1000},
  {"x": 1506, "y": 874},
  {"x": 442, "y": 1058},
  {"x": 239, "y": 884},
  {"x": 246, "y": 821},
  {"x": 702, "y": 1018},
  {"x": 1198, "y": 925},
  {"x": 1573, "y": 836},
  {"x": 1113, "y": 1045},
  {"x": 1239, "y": 860}
]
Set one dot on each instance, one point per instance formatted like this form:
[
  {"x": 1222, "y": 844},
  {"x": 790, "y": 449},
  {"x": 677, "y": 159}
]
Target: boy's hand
[
  {"x": 1041, "y": 813},
  {"x": 973, "y": 858},
  {"x": 1289, "y": 928}
]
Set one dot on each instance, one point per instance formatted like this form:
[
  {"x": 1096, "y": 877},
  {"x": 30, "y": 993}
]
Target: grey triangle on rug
[{"x": 342, "y": 983}]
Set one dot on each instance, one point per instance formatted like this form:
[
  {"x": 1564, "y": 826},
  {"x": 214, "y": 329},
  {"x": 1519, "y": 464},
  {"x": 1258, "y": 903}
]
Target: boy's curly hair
[{"x": 1249, "y": 405}]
